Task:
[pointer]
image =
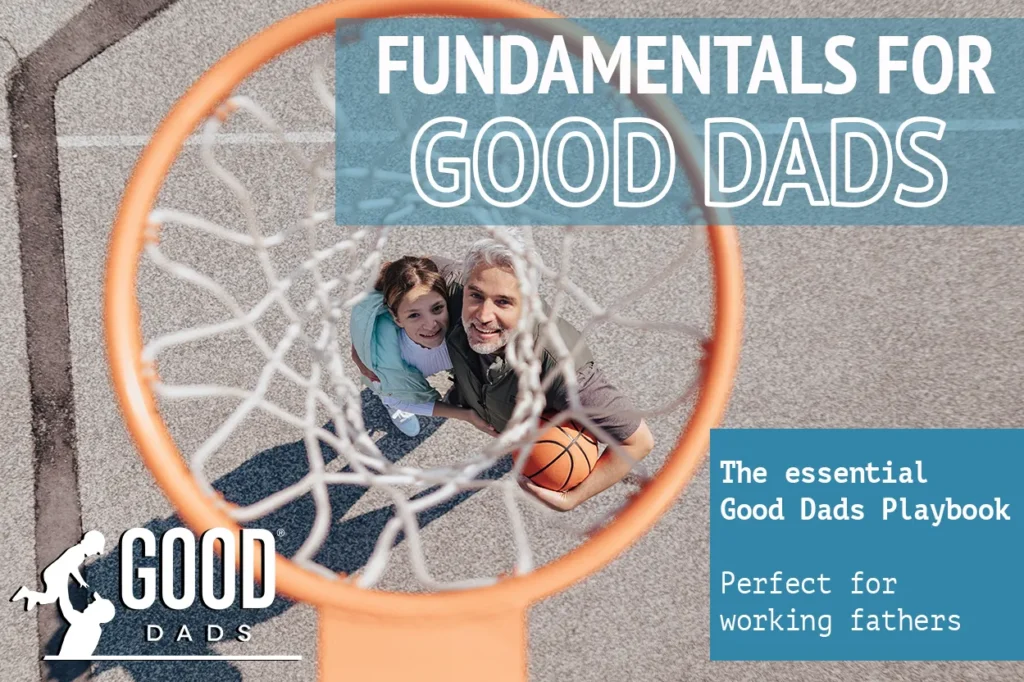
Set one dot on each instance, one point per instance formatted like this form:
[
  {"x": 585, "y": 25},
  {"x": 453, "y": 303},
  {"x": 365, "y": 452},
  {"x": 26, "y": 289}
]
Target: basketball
[{"x": 562, "y": 457}]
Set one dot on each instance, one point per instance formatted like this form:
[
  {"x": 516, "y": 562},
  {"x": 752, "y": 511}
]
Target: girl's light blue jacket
[{"x": 376, "y": 338}]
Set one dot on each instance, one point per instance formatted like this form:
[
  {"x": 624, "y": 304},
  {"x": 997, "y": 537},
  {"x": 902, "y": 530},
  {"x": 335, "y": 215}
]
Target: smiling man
[{"x": 484, "y": 295}]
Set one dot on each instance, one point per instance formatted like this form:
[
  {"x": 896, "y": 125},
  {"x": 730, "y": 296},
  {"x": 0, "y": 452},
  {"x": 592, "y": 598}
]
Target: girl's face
[{"x": 423, "y": 314}]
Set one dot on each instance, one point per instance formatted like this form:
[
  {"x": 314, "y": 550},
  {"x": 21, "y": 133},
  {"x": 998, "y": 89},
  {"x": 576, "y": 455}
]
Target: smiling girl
[{"x": 398, "y": 340}]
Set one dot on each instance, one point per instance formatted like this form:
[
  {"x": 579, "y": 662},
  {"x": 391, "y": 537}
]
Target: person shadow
[{"x": 347, "y": 548}]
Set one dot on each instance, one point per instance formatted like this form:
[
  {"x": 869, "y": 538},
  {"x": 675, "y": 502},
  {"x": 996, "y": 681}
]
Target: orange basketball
[{"x": 562, "y": 457}]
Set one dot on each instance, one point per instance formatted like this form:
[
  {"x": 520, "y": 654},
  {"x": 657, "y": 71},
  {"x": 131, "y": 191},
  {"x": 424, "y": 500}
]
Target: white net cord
[{"x": 332, "y": 387}]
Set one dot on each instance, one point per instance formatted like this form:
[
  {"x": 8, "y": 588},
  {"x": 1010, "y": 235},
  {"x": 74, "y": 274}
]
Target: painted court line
[{"x": 31, "y": 92}]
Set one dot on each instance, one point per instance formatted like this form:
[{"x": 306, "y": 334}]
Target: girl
[
  {"x": 56, "y": 575},
  {"x": 398, "y": 340}
]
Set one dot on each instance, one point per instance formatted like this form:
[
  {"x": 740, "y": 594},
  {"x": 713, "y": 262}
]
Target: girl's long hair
[{"x": 399, "y": 277}]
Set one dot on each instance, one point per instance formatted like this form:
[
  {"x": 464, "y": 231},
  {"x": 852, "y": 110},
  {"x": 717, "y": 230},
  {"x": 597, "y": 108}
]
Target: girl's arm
[
  {"x": 424, "y": 409},
  {"x": 465, "y": 414},
  {"x": 78, "y": 576},
  {"x": 441, "y": 409}
]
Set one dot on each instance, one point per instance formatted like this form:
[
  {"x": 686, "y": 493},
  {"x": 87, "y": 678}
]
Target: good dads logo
[{"x": 223, "y": 577}]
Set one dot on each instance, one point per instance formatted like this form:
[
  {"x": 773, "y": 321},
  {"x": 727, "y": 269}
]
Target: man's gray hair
[{"x": 492, "y": 252}]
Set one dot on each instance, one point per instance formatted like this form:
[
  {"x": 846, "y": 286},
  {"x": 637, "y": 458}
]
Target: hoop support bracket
[{"x": 389, "y": 649}]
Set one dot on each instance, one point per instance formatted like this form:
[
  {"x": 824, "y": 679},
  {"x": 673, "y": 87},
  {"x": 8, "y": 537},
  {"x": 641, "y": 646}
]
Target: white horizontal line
[
  {"x": 172, "y": 658},
  {"x": 327, "y": 136},
  {"x": 99, "y": 141}
]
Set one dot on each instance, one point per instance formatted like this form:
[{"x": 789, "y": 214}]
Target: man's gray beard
[{"x": 487, "y": 348}]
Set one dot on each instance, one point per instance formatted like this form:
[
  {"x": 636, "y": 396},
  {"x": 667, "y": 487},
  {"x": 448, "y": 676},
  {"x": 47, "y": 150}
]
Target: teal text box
[{"x": 951, "y": 585}]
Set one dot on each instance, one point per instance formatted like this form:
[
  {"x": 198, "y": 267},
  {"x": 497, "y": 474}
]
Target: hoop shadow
[{"x": 346, "y": 549}]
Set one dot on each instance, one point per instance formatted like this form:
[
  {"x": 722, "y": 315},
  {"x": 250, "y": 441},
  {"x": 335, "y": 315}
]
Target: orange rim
[{"x": 160, "y": 453}]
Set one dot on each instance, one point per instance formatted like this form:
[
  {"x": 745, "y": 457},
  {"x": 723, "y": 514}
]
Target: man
[{"x": 484, "y": 295}]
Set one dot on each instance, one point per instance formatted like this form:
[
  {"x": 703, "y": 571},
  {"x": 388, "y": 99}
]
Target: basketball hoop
[{"x": 474, "y": 632}]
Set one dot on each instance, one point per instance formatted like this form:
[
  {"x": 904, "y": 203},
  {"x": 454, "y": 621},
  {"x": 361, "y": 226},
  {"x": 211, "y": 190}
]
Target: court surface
[{"x": 845, "y": 327}]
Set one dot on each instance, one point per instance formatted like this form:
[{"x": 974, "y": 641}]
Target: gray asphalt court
[{"x": 845, "y": 327}]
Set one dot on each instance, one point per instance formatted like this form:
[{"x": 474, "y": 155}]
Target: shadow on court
[{"x": 346, "y": 549}]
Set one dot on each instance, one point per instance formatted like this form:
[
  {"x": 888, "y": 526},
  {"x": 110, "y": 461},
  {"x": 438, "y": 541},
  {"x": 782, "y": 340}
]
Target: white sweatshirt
[{"x": 429, "y": 361}]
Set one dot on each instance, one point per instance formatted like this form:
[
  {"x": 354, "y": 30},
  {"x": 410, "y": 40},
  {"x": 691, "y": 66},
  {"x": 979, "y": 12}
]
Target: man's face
[{"x": 490, "y": 308}]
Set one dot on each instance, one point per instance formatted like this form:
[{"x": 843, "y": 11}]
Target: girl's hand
[{"x": 477, "y": 421}]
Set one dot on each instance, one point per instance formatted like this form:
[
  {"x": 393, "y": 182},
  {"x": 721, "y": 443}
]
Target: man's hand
[
  {"x": 478, "y": 421},
  {"x": 609, "y": 470},
  {"x": 558, "y": 501}
]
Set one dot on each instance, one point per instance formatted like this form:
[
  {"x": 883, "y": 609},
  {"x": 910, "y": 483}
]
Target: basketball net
[
  {"x": 453, "y": 632},
  {"x": 343, "y": 272}
]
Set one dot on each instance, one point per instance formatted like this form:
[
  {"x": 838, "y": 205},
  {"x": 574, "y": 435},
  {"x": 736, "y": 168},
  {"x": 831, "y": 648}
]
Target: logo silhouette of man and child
[{"x": 84, "y": 634}]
